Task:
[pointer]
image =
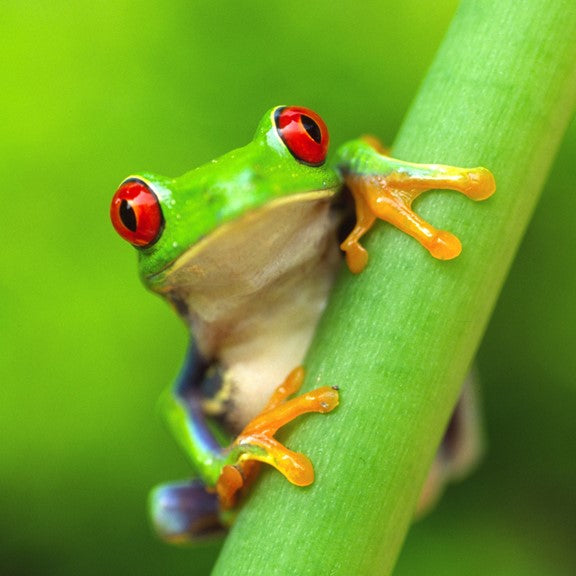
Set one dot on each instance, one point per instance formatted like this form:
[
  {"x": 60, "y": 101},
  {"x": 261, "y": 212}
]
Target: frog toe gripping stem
[
  {"x": 387, "y": 191},
  {"x": 256, "y": 443}
]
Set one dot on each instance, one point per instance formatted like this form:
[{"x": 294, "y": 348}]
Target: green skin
[
  {"x": 247, "y": 256},
  {"x": 203, "y": 200}
]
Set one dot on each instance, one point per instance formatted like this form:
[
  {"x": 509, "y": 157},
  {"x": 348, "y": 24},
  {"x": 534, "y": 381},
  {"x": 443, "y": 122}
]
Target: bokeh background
[{"x": 93, "y": 91}]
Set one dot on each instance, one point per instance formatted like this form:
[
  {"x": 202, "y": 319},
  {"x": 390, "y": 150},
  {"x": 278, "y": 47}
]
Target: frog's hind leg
[
  {"x": 256, "y": 442},
  {"x": 226, "y": 467},
  {"x": 461, "y": 447},
  {"x": 189, "y": 511},
  {"x": 200, "y": 436},
  {"x": 185, "y": 512}
]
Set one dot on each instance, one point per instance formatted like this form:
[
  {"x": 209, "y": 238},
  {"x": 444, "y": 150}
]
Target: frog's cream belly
[
  {"x": 259, "y": 357},
  {"x": 253, "y": 294},
  {"x": 254, "y": 291}
]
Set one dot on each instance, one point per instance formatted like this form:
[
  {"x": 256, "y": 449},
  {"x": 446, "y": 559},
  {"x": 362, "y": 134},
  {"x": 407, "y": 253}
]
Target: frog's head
[{"x": 165, "y": 217}]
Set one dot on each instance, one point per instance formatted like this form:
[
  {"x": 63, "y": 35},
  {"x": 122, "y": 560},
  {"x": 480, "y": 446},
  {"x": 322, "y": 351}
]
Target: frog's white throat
[{"x": 253, "y": 292}]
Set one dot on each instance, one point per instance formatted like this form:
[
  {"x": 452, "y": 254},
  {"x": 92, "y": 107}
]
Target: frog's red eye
[
  {"x": 304, "y": 134},
  {"x": 136, "y": 213}
]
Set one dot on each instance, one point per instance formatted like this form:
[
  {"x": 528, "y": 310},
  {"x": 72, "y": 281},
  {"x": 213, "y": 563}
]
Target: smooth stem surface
[{"x": 398, "y": 340}]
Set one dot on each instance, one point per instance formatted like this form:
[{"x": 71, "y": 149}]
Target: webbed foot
[
  {"x": 385, "y": 188},
  {"x": 256, "y": 443}
]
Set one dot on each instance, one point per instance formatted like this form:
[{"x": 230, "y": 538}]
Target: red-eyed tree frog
[{"x": 245, "y": 249}]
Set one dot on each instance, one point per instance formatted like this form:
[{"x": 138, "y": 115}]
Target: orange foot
[
  {"x": 388, "y": 195},
  {"x": 256, "y": 443}
]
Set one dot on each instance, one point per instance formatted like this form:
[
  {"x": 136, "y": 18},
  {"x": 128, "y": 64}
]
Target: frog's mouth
[
  {"x": 255, "y": 227},
  {"x": 243, "y": 257}
]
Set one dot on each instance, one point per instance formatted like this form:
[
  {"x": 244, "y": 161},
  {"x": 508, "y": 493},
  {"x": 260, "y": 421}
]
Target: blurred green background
[{"x": 93, "y": 91}]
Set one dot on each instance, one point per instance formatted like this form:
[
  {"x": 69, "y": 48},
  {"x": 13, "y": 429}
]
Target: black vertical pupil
[
  {"x": 128, "y": 216},
  {"x": 312, "y": 128}
]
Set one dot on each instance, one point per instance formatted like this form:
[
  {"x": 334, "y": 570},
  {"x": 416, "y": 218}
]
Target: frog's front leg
[{"x": 384, "y": 188}]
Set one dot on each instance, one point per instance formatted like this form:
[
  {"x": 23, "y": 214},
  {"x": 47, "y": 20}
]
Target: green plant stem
[{"x": 399, "y": 339}]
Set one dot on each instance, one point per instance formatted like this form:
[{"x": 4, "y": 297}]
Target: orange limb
[
  {"x": 389, "y": 197},
  {"x": 256, "y": 443}
]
